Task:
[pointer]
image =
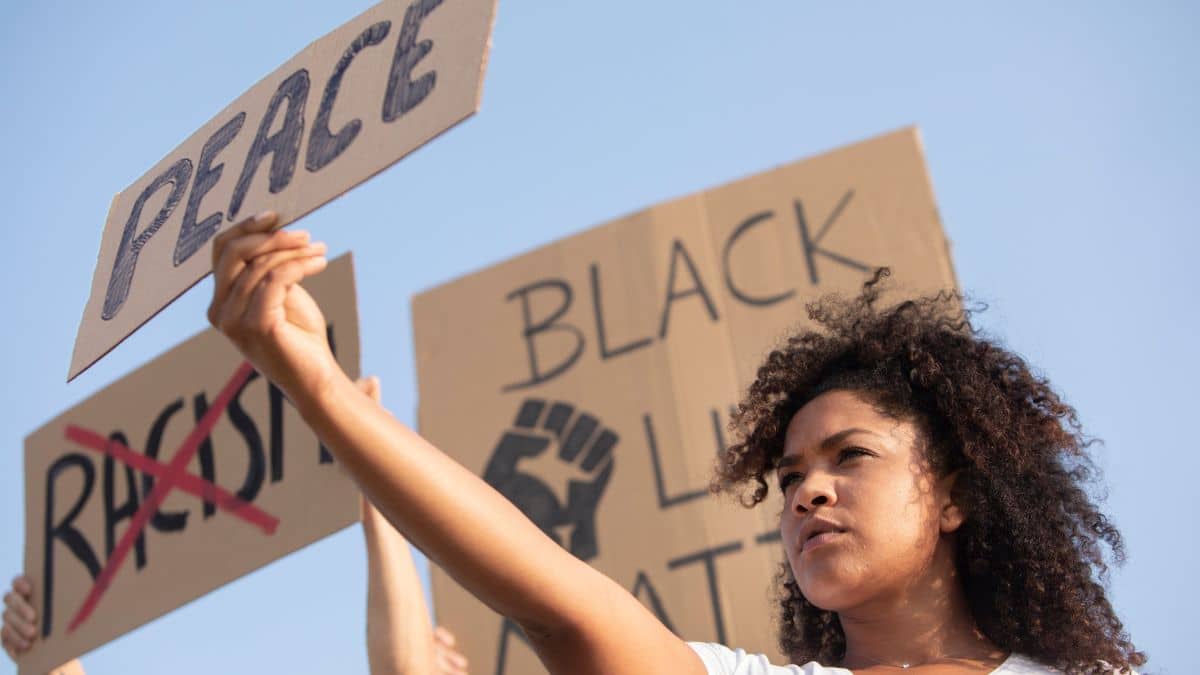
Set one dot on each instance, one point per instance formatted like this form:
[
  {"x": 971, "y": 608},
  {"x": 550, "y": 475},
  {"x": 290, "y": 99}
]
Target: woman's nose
[{"x": 816, "y": 490}]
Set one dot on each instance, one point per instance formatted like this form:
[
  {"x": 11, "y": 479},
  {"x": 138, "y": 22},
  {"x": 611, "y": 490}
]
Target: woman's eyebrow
[
  {"x": 836, "y": 439},
  {"x": 829, "y": 442}
]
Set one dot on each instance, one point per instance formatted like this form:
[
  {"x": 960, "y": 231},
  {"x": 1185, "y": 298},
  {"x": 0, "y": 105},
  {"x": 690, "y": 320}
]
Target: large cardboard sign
[
  {"x": 186, "y": 474},
  {"x": 348, "y": 106},
  {"x": 598, "y": 373}
]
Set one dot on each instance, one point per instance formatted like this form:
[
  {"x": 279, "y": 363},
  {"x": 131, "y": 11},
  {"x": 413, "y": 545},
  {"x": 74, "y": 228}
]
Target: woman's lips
[{"x": 820, "y": 540}]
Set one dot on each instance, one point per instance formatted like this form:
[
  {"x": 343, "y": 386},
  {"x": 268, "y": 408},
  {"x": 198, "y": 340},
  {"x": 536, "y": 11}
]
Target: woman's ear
[{"x": 952, "y": 514}]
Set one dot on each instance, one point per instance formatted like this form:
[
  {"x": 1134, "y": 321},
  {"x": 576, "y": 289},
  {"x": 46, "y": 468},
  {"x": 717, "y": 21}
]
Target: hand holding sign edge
[
  {"x": 20, "y": 619},
  {"x": 260, "y": 306}
]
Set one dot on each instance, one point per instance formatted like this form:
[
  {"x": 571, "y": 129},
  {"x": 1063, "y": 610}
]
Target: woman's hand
[
  {"x": 259, "y": 304},
  {"x": 446, "y": 657},
  {"x": 20, "y": 625},
  {"x": 20, "y": 619}
]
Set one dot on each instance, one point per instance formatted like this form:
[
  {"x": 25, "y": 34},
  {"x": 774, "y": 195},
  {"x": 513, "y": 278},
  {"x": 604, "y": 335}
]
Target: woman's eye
[
  {"x": 789, "y": 479},
  {"x": 852, "y": 453}
]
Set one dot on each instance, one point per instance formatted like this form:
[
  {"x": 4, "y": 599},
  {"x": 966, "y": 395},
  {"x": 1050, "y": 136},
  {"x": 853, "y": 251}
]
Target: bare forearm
[
  {"x": 399, "y": 633},
  {"x": 579, "y": 621},
  {"x": 459, "y": 521}
]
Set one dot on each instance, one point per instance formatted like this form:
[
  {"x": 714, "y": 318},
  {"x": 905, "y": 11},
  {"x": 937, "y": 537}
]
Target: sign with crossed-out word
[
  {"x": 346, "y": 107},
  {"x": 182, "y": 476},
  {"x": 598, "y": 373}
]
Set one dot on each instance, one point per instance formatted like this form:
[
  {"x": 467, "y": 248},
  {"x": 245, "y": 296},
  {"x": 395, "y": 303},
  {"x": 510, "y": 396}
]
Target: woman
[{"x": 934, "y": 518}]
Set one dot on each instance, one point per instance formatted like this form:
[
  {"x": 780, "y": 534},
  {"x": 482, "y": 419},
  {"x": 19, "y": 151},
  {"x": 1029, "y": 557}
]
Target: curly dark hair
[{"x": 1031, "y": 552}]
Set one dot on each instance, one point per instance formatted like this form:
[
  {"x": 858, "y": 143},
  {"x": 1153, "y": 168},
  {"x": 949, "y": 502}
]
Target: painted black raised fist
[{"x": 581, "y": 441}]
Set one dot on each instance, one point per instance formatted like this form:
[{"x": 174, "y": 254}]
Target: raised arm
[
  {"x": 399, "y": 633},
  {"x": 578, "y": 620},
  {"x": 400, "y": 638}
]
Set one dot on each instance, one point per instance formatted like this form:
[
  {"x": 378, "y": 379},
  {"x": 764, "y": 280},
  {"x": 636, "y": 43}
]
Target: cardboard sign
[
  {"x": 348, "y": 106},
  {"x": 188, "y": 473},
  {"x": 599, "y": 372}
]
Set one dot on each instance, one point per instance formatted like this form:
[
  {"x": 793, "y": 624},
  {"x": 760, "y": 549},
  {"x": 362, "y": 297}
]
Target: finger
[
  {"x": 272, "y": 291},
  {"x": 13, "y": 640},
  {"x": 238, "y": 298},
  {"x": 451, "y": 662},
  {"x": 22, "y": 627},
  {"x": 444, "y": 636},
  {"x": 259, "y": 225},
  {"x": 262, "y": 222},
  {"x": 247, "y": 247},
  {"x": 241, "y": 252},
  {"x": 9, "y": 648},
  {"x": 370, "y": 386},
  {"x": 457, "y": 659},
  {"x": 23, "y": 585},
  {"x": 21, "y": 606}
]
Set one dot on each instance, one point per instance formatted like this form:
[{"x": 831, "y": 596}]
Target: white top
[{"x": 721, "y": 660}]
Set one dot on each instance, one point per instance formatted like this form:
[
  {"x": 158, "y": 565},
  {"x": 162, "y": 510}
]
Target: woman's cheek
[
  {"x": 901, "y": 550},
  {"x": 835, "y": 580}
]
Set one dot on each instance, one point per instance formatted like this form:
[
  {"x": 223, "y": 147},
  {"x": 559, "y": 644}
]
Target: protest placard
[
  {"x": 346, "y": 107},
  {"x": 590, "y": 381},
  {"x": 186, "y": 474}
]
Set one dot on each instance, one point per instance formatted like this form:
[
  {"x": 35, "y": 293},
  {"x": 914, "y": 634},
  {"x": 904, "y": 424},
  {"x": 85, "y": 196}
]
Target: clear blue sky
[{"x": 1061, "y": 137}]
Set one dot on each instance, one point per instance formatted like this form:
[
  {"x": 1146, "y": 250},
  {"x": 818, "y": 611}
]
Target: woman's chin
[
  {"x": 827, "y": 586},
  {"x": 830, "y": 600}
]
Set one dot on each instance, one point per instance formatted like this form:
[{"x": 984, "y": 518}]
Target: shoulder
[
  {"x": 721, "y": 660},
  {"x": 1018, "y": 664}
]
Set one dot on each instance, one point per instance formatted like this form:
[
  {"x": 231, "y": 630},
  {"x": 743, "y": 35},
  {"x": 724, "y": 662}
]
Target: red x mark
[{"x": 170, "y": 476}]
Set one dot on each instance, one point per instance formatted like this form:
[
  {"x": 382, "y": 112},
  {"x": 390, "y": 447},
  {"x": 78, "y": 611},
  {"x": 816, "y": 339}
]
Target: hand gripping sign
[
  {"x": 348, "y": 106},
  {"x": 182, "y": 476}
]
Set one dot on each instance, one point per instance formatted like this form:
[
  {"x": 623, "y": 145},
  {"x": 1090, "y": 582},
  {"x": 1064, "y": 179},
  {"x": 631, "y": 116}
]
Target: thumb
[{"x": 371, "y": 387}]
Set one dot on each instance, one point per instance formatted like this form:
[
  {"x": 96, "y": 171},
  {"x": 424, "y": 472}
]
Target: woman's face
[{"x": 863, "y": 512}]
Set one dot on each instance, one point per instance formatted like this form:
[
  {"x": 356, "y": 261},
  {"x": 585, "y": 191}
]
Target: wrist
[{"x": 317, "y": 399}]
